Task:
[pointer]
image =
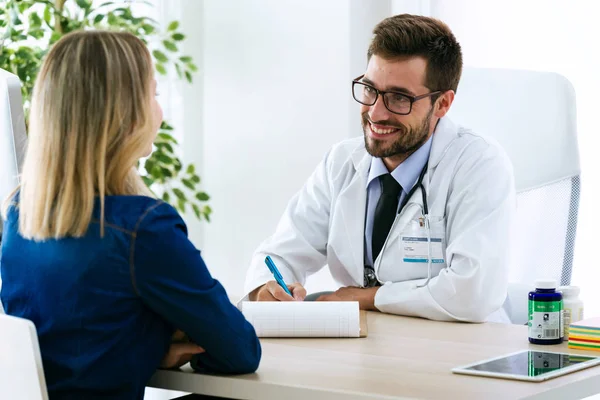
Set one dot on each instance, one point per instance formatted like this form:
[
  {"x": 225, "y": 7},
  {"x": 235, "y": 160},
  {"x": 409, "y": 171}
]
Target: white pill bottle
[{"x": 572, "y": 307}]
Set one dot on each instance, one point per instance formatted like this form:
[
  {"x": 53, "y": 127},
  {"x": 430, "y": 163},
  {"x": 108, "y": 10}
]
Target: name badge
[{"x": 416, "y": 249}]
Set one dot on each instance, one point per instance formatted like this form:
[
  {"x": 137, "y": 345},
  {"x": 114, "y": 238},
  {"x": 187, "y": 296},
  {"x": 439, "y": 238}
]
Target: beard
[{"x": 408, "y": 139}]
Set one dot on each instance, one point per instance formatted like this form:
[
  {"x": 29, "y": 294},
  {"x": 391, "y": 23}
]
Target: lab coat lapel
[
  {"x": 352, "y": 203},
  {"x": 445, "y": 132}
]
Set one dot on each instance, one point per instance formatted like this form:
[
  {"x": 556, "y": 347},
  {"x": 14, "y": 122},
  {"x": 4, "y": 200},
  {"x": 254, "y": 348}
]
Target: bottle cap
[
  {"x": 545, "y": 284},
  {"x": 569, "y": 291}
]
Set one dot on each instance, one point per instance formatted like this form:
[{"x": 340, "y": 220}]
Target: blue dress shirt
[{"x": 406, "y": 174}]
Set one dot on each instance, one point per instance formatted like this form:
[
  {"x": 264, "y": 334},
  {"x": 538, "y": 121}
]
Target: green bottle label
[{"x": 545, "y": 319}]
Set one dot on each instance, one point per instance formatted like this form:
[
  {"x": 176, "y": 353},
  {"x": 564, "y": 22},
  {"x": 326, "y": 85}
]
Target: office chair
[
  {"x": 12, "y": 137},
  {"x": 21, "y": 371},
  {"x": 533, "y": 116}
]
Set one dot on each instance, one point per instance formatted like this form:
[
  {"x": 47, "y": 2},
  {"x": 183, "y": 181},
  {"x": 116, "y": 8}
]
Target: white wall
[
  {"x": 418, "y": 7},
  {"x": 277, "y": 95}
]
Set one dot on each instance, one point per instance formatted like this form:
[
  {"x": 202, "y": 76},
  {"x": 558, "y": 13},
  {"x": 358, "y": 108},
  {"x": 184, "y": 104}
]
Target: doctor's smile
[{"x": 379, "y": 131}]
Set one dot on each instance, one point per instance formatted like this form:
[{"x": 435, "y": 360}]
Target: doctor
[{"x": 414, "y": 218}]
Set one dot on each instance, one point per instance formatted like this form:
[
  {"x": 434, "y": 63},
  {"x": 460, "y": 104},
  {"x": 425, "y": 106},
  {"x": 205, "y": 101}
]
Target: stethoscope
[{"x": 425, "y": 216}]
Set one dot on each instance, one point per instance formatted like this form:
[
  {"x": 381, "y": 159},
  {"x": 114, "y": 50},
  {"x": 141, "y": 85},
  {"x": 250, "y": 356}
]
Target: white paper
[{"x": 303, "y": 318}]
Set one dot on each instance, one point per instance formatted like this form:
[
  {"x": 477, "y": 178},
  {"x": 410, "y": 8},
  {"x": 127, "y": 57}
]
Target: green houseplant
[{"x": 28, "y": 28}]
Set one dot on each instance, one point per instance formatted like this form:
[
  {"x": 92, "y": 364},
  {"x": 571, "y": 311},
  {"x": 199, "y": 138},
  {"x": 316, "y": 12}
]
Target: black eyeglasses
[{"x": 395, "y": 102}]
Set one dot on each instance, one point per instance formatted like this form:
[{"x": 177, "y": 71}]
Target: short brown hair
[{"x": 407, "y": 35}]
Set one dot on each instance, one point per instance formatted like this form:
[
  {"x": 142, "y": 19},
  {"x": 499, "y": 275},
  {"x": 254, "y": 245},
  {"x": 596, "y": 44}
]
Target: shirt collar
[{"x": 407, "y": 173}]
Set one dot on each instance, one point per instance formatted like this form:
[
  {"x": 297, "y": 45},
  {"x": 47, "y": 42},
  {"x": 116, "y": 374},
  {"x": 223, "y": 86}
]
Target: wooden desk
[{"x": 402, "y": 358}]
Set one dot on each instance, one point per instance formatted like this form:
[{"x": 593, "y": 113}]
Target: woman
[{"x": 103, "y": 269}]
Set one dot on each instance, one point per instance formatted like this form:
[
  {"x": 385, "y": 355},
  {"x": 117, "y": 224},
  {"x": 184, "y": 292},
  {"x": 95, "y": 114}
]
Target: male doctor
[{"x": 414, "y": 218}]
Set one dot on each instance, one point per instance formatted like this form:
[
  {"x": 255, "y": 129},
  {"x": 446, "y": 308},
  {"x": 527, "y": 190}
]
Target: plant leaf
[
  {"x": 185, "y": 59},
  {"x": 98, "y": 18},
  {"x": 166, "y": 126},
  {"x": 173, "y": 26},
  {"x": 147, "y": 180},
  {"x": 166, "y": 172},
  {"x": 22, "y": 6},
  {"x": 149, "y": 164},
  {"x": 179, "y": 193},
  {"x": 188, "y": 183},
  {"x": 160, "y": 56},
  {"x": 148, "y": 29},
  {"x": 84, "y": 4},
  {"x": 47, "y": 15},
  {"x": 169, "y": 45},
  {"x": 196, "y": 211},
  {"x": 166, "y": 137},
  {"x": 112, "y": 19},
  {"x": 163, "y": 158},
  {"x": 181, "y": 205},
  {"x": 165, "y": 147},
  {"x": 34, "y": 21},
  {"x": 178, "y": 37},
  {"x": 177, "y": 164},
  {"x": 156, "y": 172},
  {"x": 54, "y": 37},
  {"x": 201, "y": 196},
  {"x": 161, "y": 69},
  {"x": 188, "y": 76},
  {"x": 207, "y": 211},
  {"x": 191, "y": 169},
  {"x": 108, "y": 3},
  {"x": 37, "y": 34}
]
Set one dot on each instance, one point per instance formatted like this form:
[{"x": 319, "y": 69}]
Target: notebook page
[{"x": 303, "y": 319}]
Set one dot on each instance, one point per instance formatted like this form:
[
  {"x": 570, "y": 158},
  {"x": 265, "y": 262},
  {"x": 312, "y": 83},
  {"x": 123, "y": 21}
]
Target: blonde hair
[{"x": 90, "y": 122}]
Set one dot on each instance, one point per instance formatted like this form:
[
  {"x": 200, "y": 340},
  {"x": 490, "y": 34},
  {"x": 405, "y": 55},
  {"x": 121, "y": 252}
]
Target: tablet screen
[{"x": 530, "y": 363}]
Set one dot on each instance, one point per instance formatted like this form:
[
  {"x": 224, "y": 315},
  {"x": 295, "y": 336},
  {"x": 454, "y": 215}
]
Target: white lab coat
[{"x": 471, "y": 198}]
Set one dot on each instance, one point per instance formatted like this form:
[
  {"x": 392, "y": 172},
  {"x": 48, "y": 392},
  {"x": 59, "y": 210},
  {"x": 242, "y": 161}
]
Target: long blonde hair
[{"x": 90, "y": 121}]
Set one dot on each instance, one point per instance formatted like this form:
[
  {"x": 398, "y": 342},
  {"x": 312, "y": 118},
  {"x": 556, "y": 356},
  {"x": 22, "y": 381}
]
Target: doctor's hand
[
  {"x": 271, "y": 291},
  {"x": 364, "y": 296}
]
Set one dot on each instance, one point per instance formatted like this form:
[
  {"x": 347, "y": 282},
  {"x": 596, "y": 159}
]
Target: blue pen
[{"x": 276, "y": 274}]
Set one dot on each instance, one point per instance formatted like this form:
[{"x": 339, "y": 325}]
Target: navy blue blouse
[{"x": 105, "y": 308}]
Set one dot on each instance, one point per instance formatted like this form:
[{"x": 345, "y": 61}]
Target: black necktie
[{"x": 385, "y": 212}]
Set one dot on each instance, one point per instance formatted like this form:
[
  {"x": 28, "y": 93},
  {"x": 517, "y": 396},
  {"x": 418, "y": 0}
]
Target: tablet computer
[{"x": 529, "y": 365}]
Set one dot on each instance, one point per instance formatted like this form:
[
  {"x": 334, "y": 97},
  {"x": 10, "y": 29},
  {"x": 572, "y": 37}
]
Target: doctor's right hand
[{"x": 271, "y": 291}]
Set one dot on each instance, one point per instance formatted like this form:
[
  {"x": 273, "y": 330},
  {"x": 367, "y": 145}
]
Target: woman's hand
[{"x": 180, "y": 352}]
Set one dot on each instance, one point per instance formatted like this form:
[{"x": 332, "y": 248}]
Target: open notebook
[{"x": 305, "y": 319}]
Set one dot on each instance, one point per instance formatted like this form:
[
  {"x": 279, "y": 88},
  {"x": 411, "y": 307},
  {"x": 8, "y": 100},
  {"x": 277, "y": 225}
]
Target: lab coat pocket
[{"x": 415, "y": 248}]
